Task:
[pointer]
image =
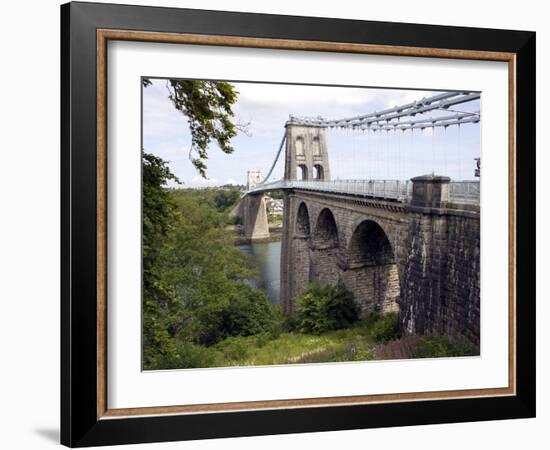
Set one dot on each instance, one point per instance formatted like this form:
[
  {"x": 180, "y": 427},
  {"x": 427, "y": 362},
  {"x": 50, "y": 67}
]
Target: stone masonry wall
[
  {"x": 376, "y": 288},
  {"x": 440, "y": 285},
  {"x": 460, "y": 313},
  {"x": 301, "y": 264}
]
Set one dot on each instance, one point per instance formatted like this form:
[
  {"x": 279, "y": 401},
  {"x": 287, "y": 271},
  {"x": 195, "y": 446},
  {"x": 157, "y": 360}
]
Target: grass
[
  {"x": 356, "y": 343},
  {"x": 352, "y": 344},
  {"x": 374, "y": 338}
]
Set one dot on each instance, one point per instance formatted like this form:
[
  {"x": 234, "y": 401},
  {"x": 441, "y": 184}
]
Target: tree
[
  {"x": 158, "y": 208},
  {"x": 207, "y": 105},
  {"x": 158, "y": 215}
]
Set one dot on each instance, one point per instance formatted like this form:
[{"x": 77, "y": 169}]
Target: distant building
[{"x": 274, "y": 206}]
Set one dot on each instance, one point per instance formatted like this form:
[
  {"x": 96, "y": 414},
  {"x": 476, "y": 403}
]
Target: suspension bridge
[{"x": 400, "y": 245}]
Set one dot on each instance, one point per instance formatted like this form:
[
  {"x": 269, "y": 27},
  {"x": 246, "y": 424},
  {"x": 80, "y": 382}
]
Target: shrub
[
  {"x": 235, "y": 220},
  {"x": 384, "y": 328},
  {"x": 246, "y": 313},
  {"x": 437, "y": 346},
  {"x": 431, "y": 346},
  {"x": 186, "y": 356},
  {"x": 341, "y": 307},
  {"x": 234, "y": 349},
  {"x": 324, "y": 308}
]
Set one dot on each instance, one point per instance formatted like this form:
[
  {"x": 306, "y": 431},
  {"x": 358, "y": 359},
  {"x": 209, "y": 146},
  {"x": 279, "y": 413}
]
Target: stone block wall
[
  {"x": 460, "y": 305},
  {"x": 440, "y": 285},
  {"x": 324, "y": 268},
  {"x": 302, "y": 262},
  {"x": 376, "y": 288}
]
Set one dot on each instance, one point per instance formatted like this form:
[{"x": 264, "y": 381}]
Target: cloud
[{"x": 200, "y": 181}]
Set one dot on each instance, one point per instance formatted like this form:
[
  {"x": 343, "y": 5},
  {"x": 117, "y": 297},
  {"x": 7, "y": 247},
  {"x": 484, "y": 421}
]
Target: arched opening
[
  {"x": 301, "y": 261},
  {"x": 301, "y": 172},
  {"x": 371, "y": 272},
  {"x": 318, "y": 172},
  {"x": 299, "y": 146},
  {"x": 324, "y": 248},
  {"x": 302, "y": 221},
  {"x": 316, "y": 146},
  {"x": 326, "y": 231}
]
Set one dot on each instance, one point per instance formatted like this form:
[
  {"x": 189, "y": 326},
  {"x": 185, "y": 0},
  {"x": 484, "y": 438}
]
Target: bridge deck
[{"x": 397, "y": 190}]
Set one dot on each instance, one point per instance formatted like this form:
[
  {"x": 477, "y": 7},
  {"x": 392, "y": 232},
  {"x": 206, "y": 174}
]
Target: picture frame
[{"x": 86, "y": 418}]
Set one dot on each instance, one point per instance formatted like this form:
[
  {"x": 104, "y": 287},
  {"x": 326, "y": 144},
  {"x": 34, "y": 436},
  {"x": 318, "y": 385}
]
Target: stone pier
[{"x": 254, "y": 216}]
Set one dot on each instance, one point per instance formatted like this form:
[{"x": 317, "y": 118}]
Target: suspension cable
[{"x": 275, "y": 161}]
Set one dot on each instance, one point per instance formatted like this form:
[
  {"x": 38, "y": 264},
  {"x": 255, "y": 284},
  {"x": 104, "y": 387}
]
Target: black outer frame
[{"x": 79, "y": 424}]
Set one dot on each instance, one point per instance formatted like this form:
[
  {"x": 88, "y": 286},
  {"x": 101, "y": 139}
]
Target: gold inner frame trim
[{"x": 104, "y": 35}]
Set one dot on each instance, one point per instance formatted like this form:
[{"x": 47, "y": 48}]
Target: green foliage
[
  {"x": 207, "y": 105},
  {"x": 158, "y": 216},
  {"x": 437, "y": 346},
  {"x": 311, "y": 310},
  {"x": 222, "y": 200},
  {"x": 194, "y": 290},
  {"x": 279, "y": 195},
  {"x": 384, "y": 327},
  {"x": 323, "y": 308},
  {"x": 234, "y": 349},
  {"x": 341, "y": 308},
  {"x": 185, "y": 355},
  {"x": 235, "y": 220},
  {"x": 244, "y": 312},
  {"x": 349, "y": 344},
  {"x": 226, "y": 199},
  {"x": 158, "y": 209}
]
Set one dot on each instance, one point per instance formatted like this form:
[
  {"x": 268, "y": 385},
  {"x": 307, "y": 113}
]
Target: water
[{"x": 267, "y": 256}]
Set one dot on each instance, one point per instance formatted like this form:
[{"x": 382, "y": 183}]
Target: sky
[{"x": 352, "y": 154}]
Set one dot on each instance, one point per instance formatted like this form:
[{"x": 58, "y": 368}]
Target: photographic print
[{"x": 300, "y": 224}]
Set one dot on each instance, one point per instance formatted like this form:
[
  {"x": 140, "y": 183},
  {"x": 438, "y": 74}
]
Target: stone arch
[
  {"x": 371, "y": 270},
  {"x": 326, "y": 230},
  {"x": 318, "y": 172},
  {"x": 325, "y": 249},
  {"x": 302, "y": 228},
  {"x": 301, "y": 172}
]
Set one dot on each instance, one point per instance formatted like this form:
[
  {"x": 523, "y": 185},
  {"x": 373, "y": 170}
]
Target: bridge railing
[
  {"x": 387, "y": 189},
  {"x": 400, "y": 190},
  {"x": 464, "y": 191}
]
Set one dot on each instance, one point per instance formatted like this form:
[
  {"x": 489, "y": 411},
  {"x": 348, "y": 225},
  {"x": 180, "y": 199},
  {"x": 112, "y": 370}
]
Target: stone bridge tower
[
  {"x": 306, "y": 155},
  {"x": 306, "y": 158},
  {"x": 253, "y": 178}
]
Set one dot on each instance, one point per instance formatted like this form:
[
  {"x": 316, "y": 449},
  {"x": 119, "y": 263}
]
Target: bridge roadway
[{"x": 460, "y": 192}]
